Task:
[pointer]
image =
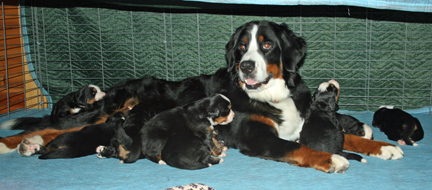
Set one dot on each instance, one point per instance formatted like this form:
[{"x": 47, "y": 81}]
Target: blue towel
[{"x": 236, "y": 172}]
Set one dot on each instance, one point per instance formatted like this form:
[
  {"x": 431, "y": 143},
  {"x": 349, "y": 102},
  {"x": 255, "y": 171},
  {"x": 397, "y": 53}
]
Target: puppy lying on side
[
  {"x": 184, "y": 136},
  {"x": 398, "y": 125},
  {"x": 74, "y": 144},
  {"x": 321, "y": 130},
  {"x": 75, "y": 102},
  {"x": 353, "y": 126}
]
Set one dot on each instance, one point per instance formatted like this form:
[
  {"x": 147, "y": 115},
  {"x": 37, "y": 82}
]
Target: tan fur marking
[
  {"x": 221, "y": 119},
  {"x": 91, "y": 101},
  {"x": 264, "y": 120},
  {"x": 245, "y": 40},
  {"x": 47, "y": 135},
  {"x": 261, "y": 38},
  {"x": 273, "y": 68},
  {"x": 123, "y": 153},
  {"x": 364, "y": 146},
  {"x": 307, "y": 157}
]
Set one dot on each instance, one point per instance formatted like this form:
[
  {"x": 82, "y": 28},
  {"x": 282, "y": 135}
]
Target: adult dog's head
[{"x": 266, "y": 57}]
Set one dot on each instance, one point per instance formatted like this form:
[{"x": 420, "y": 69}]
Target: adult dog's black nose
[{"x": 247, "y": 67}]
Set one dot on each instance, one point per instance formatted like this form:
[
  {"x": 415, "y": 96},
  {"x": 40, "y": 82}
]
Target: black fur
[
  {"x": 398, "y": 125},
  {"x": 83, "y": 142},
  {"x": 352, "y": 125},
  {"x": 81, "y": 100},
  {"x": 321, "y": 130},
  {"x": 188, "y": 120}
]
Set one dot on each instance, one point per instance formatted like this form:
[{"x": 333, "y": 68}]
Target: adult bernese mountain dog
[{"x": 267, "y": 93}]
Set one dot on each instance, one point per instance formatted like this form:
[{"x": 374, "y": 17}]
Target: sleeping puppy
[
  {"x": 398, "y": 125},
  {"x": 72, "y": 103},
  {"x": 196, "y": 118},
  {"x": 351, "y": 125},
  {"x": 73, "y": 144},
  {"x": 321, "y": 130},
  {"x": 185, "y": 150}
]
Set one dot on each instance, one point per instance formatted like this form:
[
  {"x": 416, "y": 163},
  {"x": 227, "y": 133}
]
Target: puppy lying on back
[
  {"x": 73, "y": 144},
  {"x": 321, "y": 130},
  {"x": 75, "y": 102},
  {"x": 184, "y": 135},
  {"x": 398, "y": 125}
]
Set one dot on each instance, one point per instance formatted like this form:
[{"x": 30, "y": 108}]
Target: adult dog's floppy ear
[
  {"x": 293, "y": 50},
  {"x": 230, "y": 50}
]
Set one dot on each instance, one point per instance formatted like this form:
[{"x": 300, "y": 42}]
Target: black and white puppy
[
  {"x": 72, "y": 103},
  {"x": 321, "y": 130},
  {"x": 77, "y": 143},
  {"x": 353, "y": 126},
  {"x": 398, "y": 125},
  {"x": 194, "y": 121}
]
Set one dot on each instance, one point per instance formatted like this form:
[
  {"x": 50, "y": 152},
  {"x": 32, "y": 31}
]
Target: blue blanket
[{"x": 237, "y": 172}]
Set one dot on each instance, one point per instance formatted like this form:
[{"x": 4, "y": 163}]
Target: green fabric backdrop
[{"x": 380, "y": 57}]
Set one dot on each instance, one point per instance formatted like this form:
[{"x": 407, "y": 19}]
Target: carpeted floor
[{"x": 237, "y": 172}]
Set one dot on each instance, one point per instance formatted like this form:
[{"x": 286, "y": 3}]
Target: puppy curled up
[{"x": 398, "y": 125}]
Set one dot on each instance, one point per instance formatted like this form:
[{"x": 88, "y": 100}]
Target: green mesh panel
[{"x": 378, "y": 58}]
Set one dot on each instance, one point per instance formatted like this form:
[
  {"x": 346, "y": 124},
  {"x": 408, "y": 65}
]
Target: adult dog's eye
[
  {"x": 267, "y": 46},
  {"x": 242, "y": 47}
]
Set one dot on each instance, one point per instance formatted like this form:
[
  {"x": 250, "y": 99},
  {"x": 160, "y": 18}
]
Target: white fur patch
[
  {"x": 4, "y": 149},
  {"x": 292, "y": 123},
  {"x": 275, "y": 90},
  {"x": 75, "y": 110},
  {"x": 99, "y": 94},
  {"x": 390, "y": 153},
  {"x": 340, "y": 164},
  {"x": 8, "y": 124},
  {"x": 254, "y": 55},
  {"x": 368, "y": 131}
]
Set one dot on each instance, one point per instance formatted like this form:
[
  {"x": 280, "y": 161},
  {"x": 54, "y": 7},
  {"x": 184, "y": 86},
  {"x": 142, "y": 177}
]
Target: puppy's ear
[{"x": 293, "y": 49}]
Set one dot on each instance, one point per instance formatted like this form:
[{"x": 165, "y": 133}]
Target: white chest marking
[{"x": 292, "y": 123}]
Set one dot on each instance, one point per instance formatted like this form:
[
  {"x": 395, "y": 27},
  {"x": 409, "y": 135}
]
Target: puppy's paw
[
  {"x": 99, "y": 151},
  {"x": 161, "y": 162}
]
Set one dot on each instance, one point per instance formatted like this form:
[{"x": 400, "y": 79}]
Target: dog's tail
[
  {"x": 352, "y": 156},
  {"x": 27, "y": 123}
]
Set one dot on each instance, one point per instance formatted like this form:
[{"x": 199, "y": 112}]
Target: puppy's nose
[{"x": 247, "y": 66}]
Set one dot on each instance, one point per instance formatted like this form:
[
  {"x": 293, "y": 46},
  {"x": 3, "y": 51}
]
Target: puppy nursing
[
  {"x": 181, "y": 137},
  {"x": 321, "y": 130}
]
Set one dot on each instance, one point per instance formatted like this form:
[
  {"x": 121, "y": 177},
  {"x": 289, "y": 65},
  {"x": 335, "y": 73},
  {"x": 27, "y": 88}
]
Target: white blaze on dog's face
[
  {"x": 97, "y": 92},
  {"x": 226, "y": 115},
  {"x": 260, "y": 68},
  {"x": 327, "y": 86}
]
